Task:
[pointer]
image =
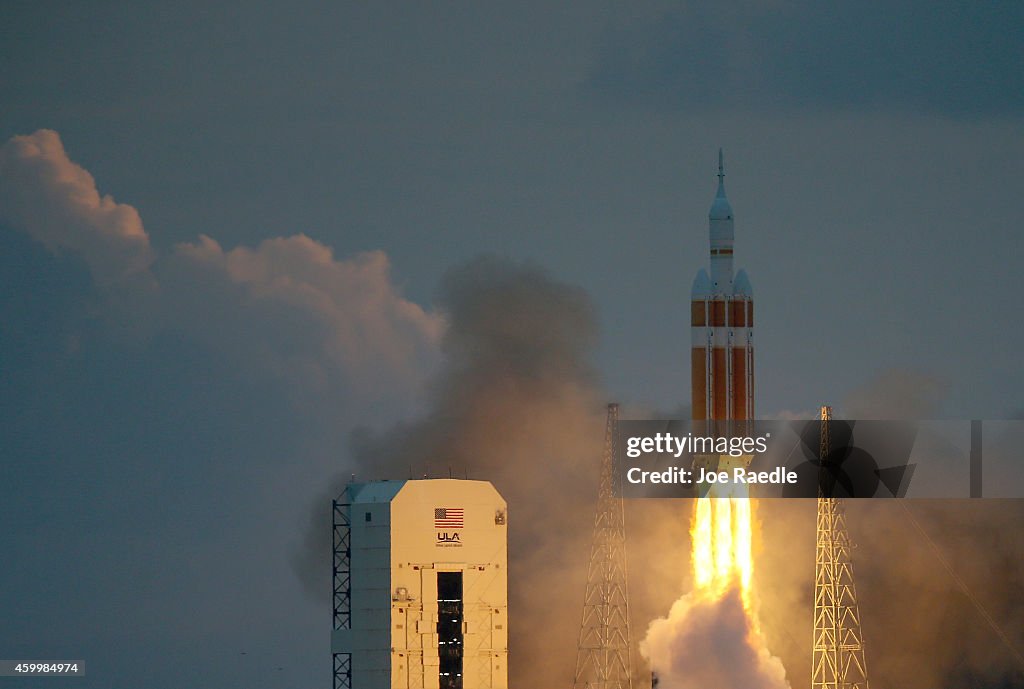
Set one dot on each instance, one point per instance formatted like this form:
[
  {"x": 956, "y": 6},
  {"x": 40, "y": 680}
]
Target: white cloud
[
  {"x": 287, "y": 307},
  {"x": 44, "y": 193}
]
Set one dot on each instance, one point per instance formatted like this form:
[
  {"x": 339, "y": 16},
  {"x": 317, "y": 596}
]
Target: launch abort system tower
[{"x": 420, "y": 586}]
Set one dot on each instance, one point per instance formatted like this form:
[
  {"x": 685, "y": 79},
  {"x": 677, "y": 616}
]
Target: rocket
[{"x": 722, "y": 327}]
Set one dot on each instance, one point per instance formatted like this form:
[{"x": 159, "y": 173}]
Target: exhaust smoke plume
[{"x": 708, "y": 642}]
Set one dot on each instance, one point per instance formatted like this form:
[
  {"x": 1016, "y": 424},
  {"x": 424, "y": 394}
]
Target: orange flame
[{"x": 721, "y": 533}]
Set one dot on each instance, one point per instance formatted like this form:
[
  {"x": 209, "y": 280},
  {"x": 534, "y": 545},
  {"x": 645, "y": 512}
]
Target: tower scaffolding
[
  {"x": 838, "y": 660},
  {"x": 603, "y": 651}
]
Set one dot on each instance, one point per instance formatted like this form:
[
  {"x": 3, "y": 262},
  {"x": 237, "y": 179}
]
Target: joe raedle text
[{"x": 702, "y": 475}]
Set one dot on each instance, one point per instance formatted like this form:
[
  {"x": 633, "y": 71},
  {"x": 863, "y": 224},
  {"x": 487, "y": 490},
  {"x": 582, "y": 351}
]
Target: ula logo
[{"x": 445, "y": 537}]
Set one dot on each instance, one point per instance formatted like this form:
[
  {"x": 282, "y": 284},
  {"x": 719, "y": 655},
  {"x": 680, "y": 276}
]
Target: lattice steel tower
[
  {"x": 838, "y": 660},
  {"x": 603, "y": 652}
]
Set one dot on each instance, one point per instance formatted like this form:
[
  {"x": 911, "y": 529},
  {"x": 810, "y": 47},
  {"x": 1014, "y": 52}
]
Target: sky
[{"x": 228, "y": 238}]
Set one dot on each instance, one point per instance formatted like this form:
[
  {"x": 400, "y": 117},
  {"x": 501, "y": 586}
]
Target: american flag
[{"x": 448, "y": 517}]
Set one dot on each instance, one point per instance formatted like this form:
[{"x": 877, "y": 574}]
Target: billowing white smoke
[{"x": 710, "y": 643}]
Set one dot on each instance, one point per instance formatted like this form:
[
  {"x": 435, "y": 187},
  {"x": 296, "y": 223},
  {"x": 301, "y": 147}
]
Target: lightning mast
[
  {"x": 603, "y": 652},
  {"x": 838, "y": 660}
]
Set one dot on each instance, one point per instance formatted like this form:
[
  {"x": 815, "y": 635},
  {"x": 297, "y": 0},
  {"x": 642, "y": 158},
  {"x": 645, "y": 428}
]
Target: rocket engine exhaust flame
[{"x": 721, "y": 539}]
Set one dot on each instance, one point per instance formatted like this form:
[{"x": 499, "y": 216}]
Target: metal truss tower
[
  {"x": 838, "y": 660},
  {"x": 342, "y": 578},
  {"x": 603, "y": 652}
]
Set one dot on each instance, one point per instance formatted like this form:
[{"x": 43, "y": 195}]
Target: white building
[{"x": 420, "y": 586}]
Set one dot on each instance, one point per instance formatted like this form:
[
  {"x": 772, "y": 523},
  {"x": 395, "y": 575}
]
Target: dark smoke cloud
[
  {"x": 921, "y": 630},
  {"x": 926, "y": 629},
  {"x": 516, "y": 403}
]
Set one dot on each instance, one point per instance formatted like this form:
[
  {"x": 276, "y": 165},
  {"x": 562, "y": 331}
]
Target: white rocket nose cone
[{"x": 720, "y": 209}]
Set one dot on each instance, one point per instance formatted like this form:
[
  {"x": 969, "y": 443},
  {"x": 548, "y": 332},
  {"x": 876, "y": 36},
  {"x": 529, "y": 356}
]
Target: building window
[{"x": 369, "y": 517}]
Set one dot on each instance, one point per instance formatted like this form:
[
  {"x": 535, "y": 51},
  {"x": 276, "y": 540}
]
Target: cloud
[
  {"x": 286, "y": 308},
  {"x": 290, "y": 307},
  {"x": 56, "y": 202}
]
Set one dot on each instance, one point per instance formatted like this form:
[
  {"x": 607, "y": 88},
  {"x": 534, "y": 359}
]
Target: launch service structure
[{"x": 420, "y": 586}]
